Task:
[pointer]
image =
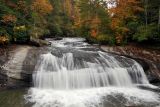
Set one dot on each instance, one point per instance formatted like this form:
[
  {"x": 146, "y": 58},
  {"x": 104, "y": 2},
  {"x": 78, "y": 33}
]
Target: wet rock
[
  {"x": 149, "y": 88},
  {"x": 20, "y": 65},
  {"x": 58, "y": 38},
  {"x": 144, "y": 64},
  {"x": 147, "y": 58},
  {"x": 3, "y": 81},
  {"x": 38, "y": 42},
  {"x": 56, "y": 53},
  {"x": 153, "y": 79}
]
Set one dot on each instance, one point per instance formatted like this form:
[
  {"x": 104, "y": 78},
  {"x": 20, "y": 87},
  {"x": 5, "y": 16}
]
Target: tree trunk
[
  {"x": 159, "y": 20},
  {"x": 146, "y": 13}
]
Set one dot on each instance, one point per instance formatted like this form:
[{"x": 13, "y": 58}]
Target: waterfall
[
  {"x": 71, "y": 73},
  {"x": 75, "y": 74},
  {"x": 79, "y": 68}
]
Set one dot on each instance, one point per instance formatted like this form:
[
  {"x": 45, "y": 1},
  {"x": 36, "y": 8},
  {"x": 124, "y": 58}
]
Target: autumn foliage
[
  {"x": 123, "y": 11},
  {"x": 107, "y": 21},
  {"x": 42, "y": 7},
  {"x": 3, "y": 40},
  {"x": 9, "y": 18}
]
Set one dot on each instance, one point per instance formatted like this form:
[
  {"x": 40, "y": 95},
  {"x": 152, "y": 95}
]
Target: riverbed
[{"x": 95, "y": 95}]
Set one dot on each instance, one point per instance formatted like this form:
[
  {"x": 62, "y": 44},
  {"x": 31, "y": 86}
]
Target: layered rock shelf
[
  {"x": 17, "y": 62},
  {"x": 148, "y": 58}
]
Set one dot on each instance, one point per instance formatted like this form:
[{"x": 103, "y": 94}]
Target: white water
[
  {"x": 82, "y": 77},
  {"x": 95, "y": 97}
]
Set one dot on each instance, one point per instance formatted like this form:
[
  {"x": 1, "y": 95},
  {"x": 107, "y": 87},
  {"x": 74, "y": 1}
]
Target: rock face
[
  {"x": 18, "y": 63},
  {"x": 15, "y": 65},
  {"x": 18, "y": 69},
  {"x": 149, "y": 59}
]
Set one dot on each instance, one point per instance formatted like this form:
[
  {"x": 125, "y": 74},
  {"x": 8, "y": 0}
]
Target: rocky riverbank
[
  {"x": 17, "y": 62},
  {"x": 148, "y": 58}
]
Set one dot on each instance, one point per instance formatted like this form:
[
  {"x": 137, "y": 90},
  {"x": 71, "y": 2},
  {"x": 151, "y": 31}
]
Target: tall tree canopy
[{"x": 103, "y": 21}]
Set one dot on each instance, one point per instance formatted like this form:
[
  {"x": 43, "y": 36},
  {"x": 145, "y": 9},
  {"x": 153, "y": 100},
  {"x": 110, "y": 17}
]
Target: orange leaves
[
  {"x": 9, "y": 18},
  {"x": 68, "y": 7},
  {"x": 42, "y": 7},
  {"x": 94, "y": 33},
  {"x": 123, "y": 11},
  {"x": 126, "y": 8},
  {"x": 115, "y": 23}
]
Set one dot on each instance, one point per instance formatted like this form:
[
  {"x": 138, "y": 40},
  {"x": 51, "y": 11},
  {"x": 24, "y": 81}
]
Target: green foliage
[
  {"x": 55, "y": 30},
  {"x": 20, "y": 34},
  {"x": 149, "y": 32},
  {"x": 94, "y": 21},
  {"x": 9, "y": 10},
  {"x": 28, "y": 23},
  {"x": 37, "y": 32},
  {"x": 3, "y": 32},
  {"x": 106, "y": 39},
  {"x": 4, "y": 36},
  {"x": 83, "y": 31},
  {"x": 85, "y": 18},
  {"x": 4, "y": 9}
]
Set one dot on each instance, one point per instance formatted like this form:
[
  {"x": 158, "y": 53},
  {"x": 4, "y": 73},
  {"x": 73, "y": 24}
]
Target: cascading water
[{"x": 75, "y": 74}]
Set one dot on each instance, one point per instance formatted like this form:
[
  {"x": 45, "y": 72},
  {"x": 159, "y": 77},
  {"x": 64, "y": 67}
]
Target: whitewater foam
[{"x": 95, "y": 97}]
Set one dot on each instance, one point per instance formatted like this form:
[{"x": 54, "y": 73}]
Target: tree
[
  {"x": 122, "y": 13},
  {"x": 148, "y": 30},
  {"x": 40, "y": 8},
  {"x": 92, "y": 16},
  {"x": 9, "y": 18}
]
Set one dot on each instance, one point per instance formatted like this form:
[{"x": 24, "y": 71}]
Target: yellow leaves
[
  {"x": 125, "y": 30},
  {"x": 4, "y": 39},
  {"x": 9, "y": 18},
  {"x": 20, "y": 28},
  {"x": 139, "y": 9},
  {"x": 77, "y": 24},
  {"x": 119, "y": 39},
  {"x": 42, "y": 7},
  {"x": 68, "y": 7},
  {"x": 120, "y": 34},
  {"x": 102, "y": 37}
]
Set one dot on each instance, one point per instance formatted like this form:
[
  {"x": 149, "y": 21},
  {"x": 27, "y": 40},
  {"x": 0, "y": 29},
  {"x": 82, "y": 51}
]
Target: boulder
[{"x": 20, "y": 65}]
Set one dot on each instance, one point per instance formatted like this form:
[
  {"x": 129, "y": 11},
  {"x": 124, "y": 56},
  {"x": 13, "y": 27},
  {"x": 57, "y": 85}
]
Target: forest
[
  {"x": 79, "y": 53},
  {"x": 114, "y": 22}
]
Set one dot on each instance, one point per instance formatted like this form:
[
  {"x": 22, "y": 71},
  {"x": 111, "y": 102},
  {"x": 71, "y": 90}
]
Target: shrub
[
  {"x": 144, "y": 33},
  {"x": 4, "y": 37},
  {"x": 105, "y": 39},
  {"x": 20, "y": 34},
  {"x": 102, "y": 39},
  {"x": 4, "y": 40}
]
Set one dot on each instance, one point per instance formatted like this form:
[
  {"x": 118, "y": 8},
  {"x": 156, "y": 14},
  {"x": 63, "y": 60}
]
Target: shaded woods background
[{"x": 100, "y": 21}]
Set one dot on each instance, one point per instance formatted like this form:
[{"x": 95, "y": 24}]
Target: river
[{"x": 74, "y": 73}]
